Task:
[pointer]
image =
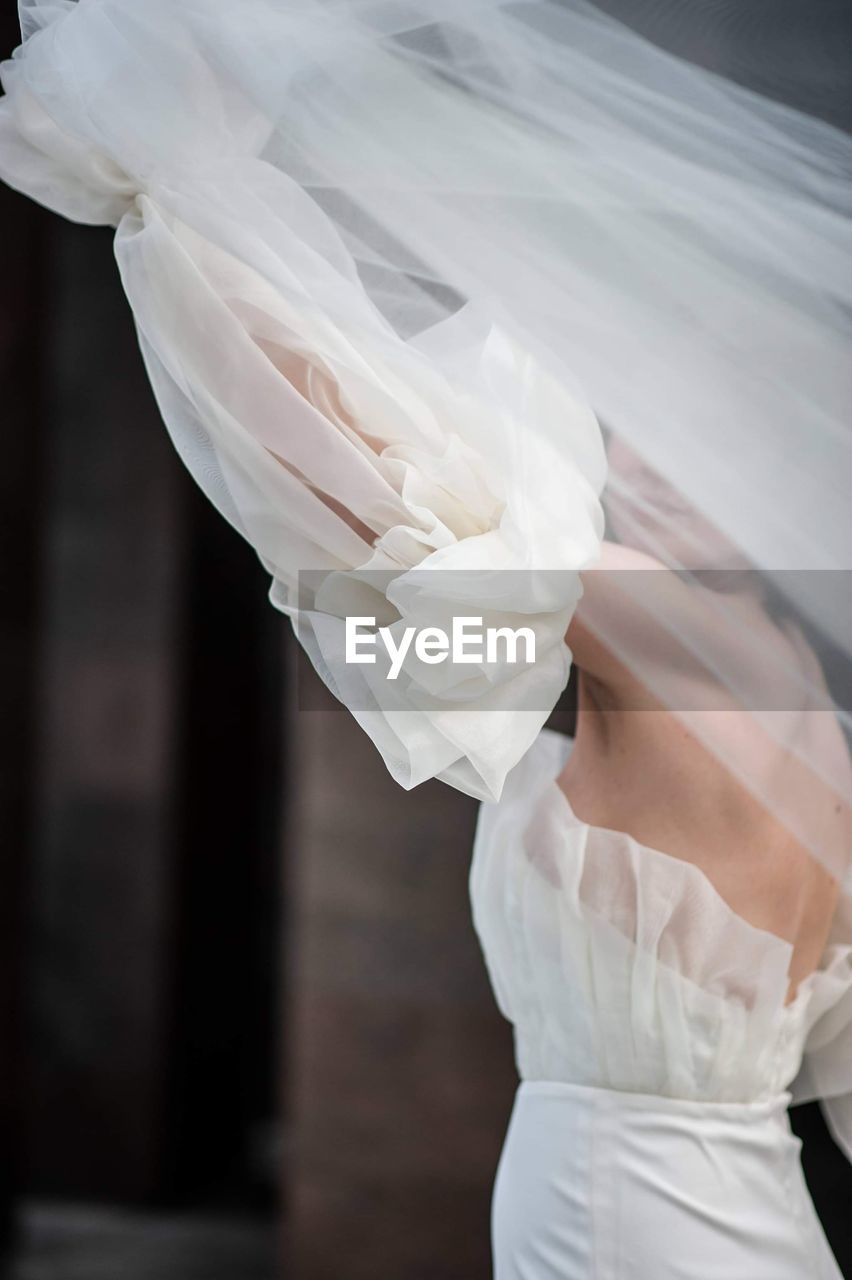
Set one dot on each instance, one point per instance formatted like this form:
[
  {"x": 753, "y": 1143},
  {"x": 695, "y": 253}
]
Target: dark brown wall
[
  {"x": 104, "y": 713},
  {"x": 20, "y": 516},
  {"x": 403, "y": 1073},
  {"x": 141, "y": 776}
]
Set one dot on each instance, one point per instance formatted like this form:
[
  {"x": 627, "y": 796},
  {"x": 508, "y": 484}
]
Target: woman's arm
[{"x": 606, "y": 609}]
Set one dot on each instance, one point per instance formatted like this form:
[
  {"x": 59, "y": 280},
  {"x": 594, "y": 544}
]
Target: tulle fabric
[
  {"x": 327, "y": 440},
  {"x": 671, "y": 243},
  {"x": 621, "y": 967},
  {"x": 389, "y": 261}
]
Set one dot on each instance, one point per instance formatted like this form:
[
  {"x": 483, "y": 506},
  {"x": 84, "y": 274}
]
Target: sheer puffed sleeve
[{"x": 405, "y": 479}]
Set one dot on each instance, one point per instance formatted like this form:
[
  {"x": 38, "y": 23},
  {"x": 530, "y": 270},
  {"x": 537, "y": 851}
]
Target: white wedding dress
[
  {"x": 305, "y": 193},
  {"x": 649, "y": 1138}
]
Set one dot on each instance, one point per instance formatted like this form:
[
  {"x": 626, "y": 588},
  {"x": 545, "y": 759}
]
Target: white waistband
[{"x": 616, "y": 1099}]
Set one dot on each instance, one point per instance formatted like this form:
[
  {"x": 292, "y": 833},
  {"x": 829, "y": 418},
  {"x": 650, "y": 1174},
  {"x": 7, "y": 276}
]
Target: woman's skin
[{"x": 637, "y": 767}]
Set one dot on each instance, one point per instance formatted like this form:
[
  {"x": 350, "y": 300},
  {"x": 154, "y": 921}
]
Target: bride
[
  {"x": 658, "y": 938},
  {"x": 391, "y": 264}
]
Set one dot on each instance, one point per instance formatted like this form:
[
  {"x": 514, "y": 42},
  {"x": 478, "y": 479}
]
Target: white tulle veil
[{"x": 471, "y": 230}]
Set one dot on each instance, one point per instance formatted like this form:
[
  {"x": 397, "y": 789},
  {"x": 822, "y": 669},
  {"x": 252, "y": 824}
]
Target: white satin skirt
[{"x": 594, "y": 1184}]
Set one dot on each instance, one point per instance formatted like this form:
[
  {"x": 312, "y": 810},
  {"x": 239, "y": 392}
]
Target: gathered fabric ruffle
[
  {"x": 622, "y": 967},
  {"x": 402, "y": 478}
]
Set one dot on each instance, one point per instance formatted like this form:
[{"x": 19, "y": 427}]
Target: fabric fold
[
  {"x": 415, "y": 478},
  {"x": 621, "y": 967}
]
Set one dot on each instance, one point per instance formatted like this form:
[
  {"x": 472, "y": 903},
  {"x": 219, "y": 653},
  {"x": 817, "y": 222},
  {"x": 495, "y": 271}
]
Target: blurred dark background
[{"x": 245, "y": 1029}]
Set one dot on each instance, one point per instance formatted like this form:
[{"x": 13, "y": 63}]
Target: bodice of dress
[{"x": 622, "y": 967}]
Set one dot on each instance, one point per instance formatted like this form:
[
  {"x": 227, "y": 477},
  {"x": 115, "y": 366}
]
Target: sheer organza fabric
[
  {"x": 621, "y": 967},
  {"x": 391, "y": 262},
  {"x": 327, "y": 440},
  {"x": 671, "y": 248}
]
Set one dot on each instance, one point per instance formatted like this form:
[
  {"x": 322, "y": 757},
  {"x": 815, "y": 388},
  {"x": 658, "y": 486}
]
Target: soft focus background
[{"x": 245, "y": 1029}]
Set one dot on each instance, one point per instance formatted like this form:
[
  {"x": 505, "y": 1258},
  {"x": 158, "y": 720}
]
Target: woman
[
  {"x": 388, "y": 264},
  {"x": 658, "y": 938}
]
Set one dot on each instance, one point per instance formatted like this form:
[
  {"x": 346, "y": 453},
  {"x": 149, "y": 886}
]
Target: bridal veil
[{"x": 405, "y": 273}]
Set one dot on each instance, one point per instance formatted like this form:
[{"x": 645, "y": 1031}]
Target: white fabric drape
[
  {"x": 330, "y": 442},
  {"x": 391, "y": 262}
]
